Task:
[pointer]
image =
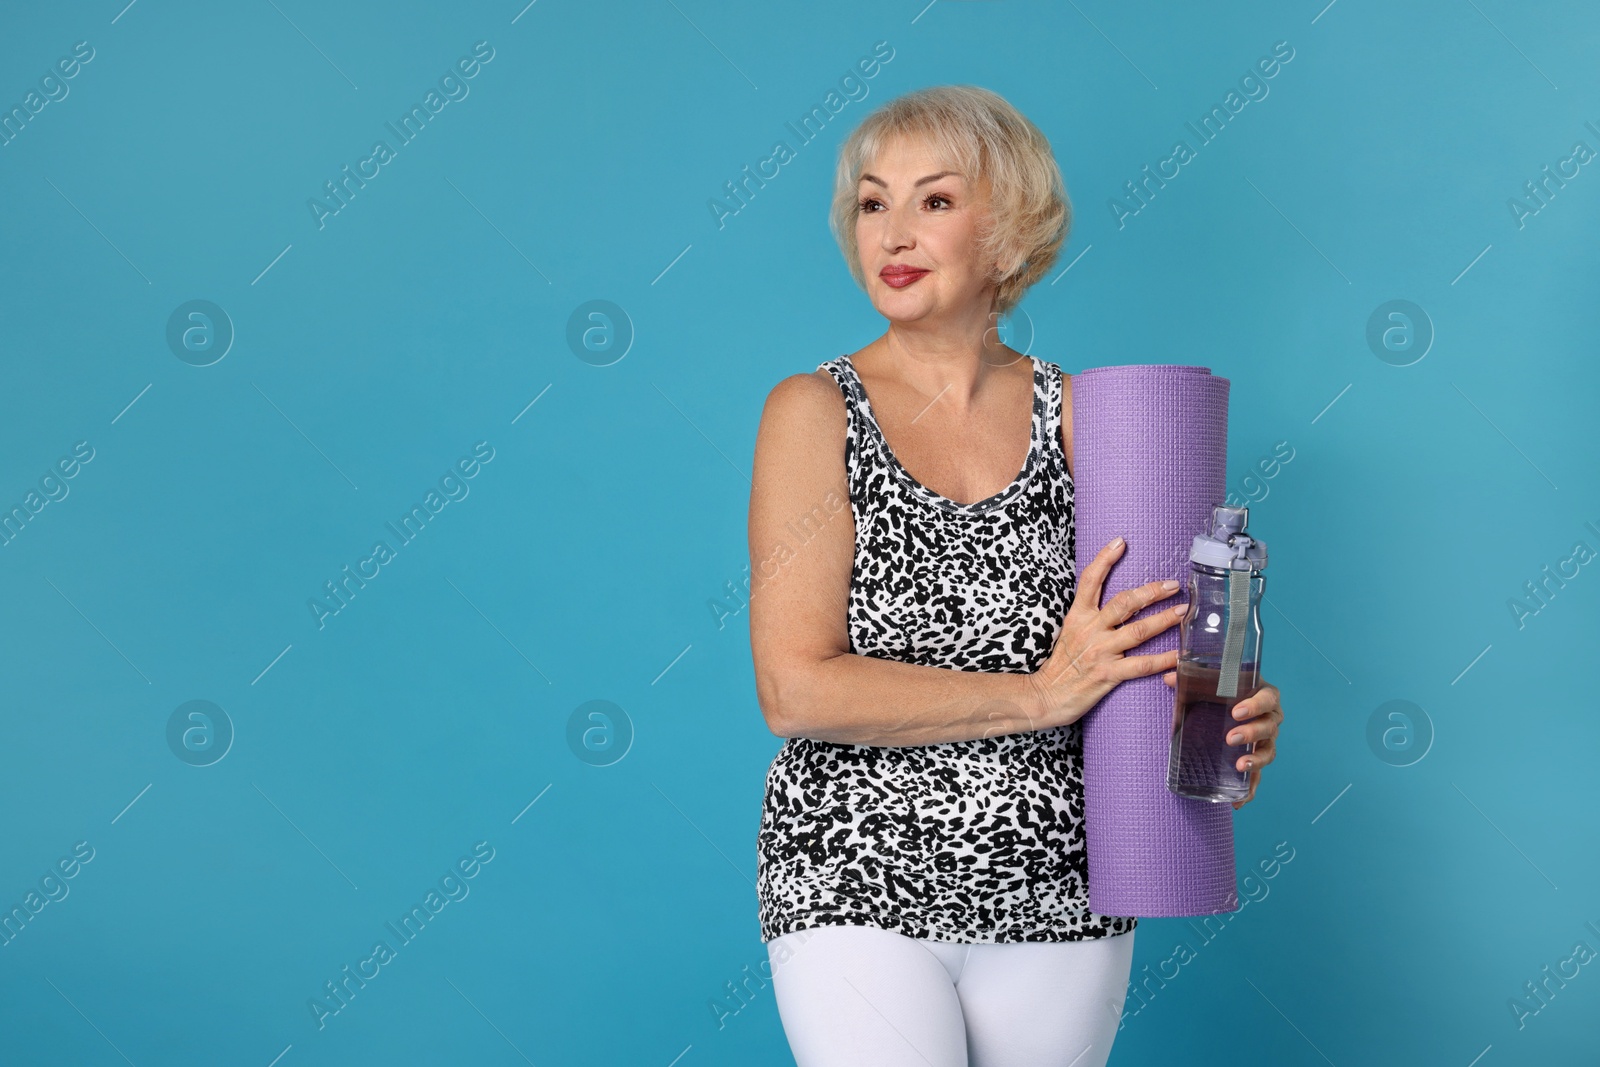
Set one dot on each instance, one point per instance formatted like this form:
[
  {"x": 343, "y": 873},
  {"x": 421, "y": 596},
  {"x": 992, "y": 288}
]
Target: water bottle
[{"x": 1219, "y": 659}]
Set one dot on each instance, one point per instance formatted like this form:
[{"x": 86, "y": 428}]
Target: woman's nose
[{"x": 897, "y": 232}]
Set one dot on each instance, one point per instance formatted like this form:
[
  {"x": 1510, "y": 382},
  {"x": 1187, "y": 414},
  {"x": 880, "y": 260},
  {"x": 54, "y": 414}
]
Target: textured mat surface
[{"x": 1149, "y": 461}]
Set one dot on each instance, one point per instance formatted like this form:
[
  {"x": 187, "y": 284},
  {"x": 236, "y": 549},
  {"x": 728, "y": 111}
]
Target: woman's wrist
[{"x": 1036, "y": 703}]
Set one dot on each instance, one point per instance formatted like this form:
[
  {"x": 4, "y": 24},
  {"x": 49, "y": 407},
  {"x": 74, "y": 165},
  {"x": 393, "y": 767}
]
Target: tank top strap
[
  {"x": 857, "y": 432},
  {"x": 835, "y": 367},
  {"x": 1055, "y": 392}
]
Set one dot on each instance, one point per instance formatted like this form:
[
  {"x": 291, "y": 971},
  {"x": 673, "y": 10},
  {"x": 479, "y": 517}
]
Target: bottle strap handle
[{"x": 1233, "y": 635}]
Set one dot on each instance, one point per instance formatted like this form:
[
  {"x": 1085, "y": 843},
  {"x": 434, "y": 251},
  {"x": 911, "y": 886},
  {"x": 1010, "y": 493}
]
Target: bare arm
[{"x": 807, "y": 681}]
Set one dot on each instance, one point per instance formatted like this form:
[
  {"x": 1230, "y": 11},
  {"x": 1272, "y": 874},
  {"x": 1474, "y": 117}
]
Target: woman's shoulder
[
  {"x": 806, "y": 399},
  {"x": 1066, "y": 379},
  {"x": 1065, "y": 421},
  {"x": 799, "y": 441},
  {"x": 810, "y": 385},
  {"x": 1055, "y": 372},
  {"x": 1059, "y": 372}
]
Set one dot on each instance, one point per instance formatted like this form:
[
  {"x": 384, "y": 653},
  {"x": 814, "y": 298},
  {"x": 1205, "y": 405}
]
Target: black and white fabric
[{"x": 969, "y": 841}]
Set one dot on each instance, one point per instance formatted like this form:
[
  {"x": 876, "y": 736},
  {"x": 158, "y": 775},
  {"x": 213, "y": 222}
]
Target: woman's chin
[{"x": 902, "y": 306}]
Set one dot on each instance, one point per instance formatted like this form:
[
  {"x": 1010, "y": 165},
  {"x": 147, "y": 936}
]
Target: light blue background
[{"x": 429, "y": 313}]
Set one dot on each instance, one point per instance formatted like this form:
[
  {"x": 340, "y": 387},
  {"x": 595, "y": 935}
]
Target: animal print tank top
[{"x": 968, "y": 841}]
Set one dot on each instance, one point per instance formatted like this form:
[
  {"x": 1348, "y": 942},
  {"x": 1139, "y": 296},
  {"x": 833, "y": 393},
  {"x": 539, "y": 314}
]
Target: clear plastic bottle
[{"x": 1219, "y": 659}]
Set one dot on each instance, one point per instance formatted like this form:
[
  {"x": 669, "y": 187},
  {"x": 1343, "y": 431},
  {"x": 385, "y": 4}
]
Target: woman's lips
[{"x": 900, "y": 277}]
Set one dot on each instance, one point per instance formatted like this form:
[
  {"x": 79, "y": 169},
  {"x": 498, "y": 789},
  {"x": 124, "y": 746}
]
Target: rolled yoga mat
[{"x": 1150, "y": 452}]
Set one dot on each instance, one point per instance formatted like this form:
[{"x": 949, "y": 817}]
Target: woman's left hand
[{"x": 1258, "y": 716}]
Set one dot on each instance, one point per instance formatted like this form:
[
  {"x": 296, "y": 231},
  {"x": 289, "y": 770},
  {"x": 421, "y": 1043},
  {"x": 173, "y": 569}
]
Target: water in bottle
[{"x": 1219, "y": 658}]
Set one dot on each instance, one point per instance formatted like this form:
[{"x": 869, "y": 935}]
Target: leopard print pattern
[{"x": 976, "y": 841}]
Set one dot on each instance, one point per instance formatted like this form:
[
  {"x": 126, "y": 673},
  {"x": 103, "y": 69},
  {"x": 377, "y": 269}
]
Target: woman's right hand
[{"x": 1087, "y": 661}]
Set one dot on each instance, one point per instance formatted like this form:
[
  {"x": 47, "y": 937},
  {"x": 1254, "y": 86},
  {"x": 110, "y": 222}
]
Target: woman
[{"x": 928, "y": 652}]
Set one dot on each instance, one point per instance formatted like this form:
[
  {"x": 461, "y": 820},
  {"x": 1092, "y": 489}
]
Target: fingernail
[
  {"x": 1240, "y": 711},
  {"x": 1118, "y": 543},
  {"x": 1170, "y": 584}
]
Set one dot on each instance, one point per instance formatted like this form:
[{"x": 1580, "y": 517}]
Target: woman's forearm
[{"x": 864, "y": 700}]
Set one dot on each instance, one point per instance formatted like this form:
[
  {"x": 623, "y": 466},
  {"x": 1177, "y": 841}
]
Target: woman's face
[{"x": 914, "y": 212}]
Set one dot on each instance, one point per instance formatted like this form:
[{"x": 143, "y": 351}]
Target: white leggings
[{"x": 852, "y": 995}]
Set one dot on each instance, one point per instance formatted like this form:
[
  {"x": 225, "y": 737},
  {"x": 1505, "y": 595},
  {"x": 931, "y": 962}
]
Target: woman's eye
[{"x": 934, "y": 200}]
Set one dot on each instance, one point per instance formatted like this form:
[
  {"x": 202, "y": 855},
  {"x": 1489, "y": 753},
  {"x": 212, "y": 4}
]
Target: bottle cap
[{"x": 1228, "y": 546}]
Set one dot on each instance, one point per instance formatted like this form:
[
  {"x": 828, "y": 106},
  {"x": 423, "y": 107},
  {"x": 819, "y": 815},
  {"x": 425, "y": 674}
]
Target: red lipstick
[{"x": 900, "y": 275}]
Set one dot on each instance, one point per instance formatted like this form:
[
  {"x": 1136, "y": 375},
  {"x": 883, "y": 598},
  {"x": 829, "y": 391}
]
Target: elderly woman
[{"x": 928, "y": 653}]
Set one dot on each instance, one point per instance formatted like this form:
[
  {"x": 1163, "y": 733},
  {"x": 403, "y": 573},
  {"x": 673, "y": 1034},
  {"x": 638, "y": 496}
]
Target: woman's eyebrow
[{"x": 920, "y": 181}]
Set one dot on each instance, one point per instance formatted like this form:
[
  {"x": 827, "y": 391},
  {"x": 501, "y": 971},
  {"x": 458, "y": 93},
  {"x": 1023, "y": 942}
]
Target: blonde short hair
[{"x": 979, "y": 133}]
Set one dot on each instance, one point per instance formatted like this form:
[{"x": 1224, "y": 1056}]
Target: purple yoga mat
[{"x": 1150, "y": 453}]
